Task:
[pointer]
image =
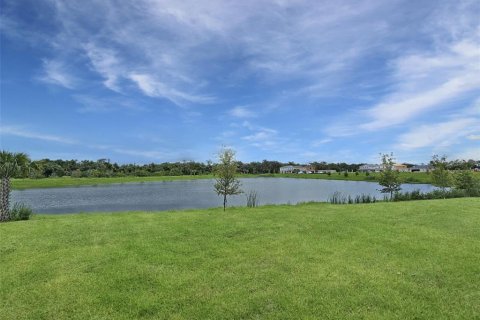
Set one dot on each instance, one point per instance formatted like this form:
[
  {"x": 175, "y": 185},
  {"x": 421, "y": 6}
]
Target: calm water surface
[{"x": 167, "y": 195}]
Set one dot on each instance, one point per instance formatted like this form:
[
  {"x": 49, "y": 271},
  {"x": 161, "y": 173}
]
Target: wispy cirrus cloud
[
  {"x": 29, "y": 134},
  {"x": 106, "y": 63},
  {"x": 101, "y": 104},
  {"x": 23, "y": 132},
  {"x": 441, "y": 134},
  {"x": 55, "y": 72},
  {"x": 176, "y": 46},
  {"x": 426, "y": 82},
  {"x": 154, "y": 88}
]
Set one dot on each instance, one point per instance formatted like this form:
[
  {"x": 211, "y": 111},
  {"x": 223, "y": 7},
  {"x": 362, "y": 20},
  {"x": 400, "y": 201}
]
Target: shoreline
[{"x": 68, "y": 182}]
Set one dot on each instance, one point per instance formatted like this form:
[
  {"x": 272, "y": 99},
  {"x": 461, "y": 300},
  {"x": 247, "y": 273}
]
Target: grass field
[
  {"x": 409, "y": 260},
  {"x": 71, "y": 182}
]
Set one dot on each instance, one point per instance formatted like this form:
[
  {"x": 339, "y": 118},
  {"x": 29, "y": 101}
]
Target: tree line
[{"x": 47, "y": 168}]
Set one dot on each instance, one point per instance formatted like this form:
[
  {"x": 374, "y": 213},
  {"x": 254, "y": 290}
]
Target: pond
[{"x": 185, "y": 194}]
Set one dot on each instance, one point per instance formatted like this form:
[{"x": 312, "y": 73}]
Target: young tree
[
  {"x": 389, "y": 178},
  {"x": 225, "y": 171},
  {"x": 465, "y": 180},
  {"x": 11, "y": 164},
  {"x": 441, "y": 177}
]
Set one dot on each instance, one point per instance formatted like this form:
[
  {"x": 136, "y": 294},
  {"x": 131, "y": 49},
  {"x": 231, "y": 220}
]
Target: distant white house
[
  {"x": 303, "y": 169},
  {"x": 287, "y": 169},
  {"x": 397, "y": 167},
  {"x": 370, "y": 168},
  {"x": 296, "y": 169}
]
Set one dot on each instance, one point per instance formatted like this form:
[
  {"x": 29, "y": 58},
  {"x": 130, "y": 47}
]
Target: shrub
[
  {"x": 329, "y": 173},
  {"x": 367, "y": 173},
  {"x": 345, "y": 174},
  {"x": 76, "y": 174},
  {"x": 20, "y": 211},
  {"x": 435, "y": 194},
  {"x": 465, "y": 180}
]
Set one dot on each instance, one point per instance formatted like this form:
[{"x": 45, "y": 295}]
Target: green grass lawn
[
  {"x": 408, "y": 260},
  {"x": 71, "y": 182}
]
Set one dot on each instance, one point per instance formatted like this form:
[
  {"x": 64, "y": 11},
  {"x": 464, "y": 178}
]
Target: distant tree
[
  {"x": 441, "y": 177},
  {"x": 226, "y": 183},
  {"x": 389, "y": 178},
  {"x": 11, "y": 165}
]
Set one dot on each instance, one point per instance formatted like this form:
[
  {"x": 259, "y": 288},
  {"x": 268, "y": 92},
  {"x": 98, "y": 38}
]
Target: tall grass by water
[{"x": 338, "y": 198}]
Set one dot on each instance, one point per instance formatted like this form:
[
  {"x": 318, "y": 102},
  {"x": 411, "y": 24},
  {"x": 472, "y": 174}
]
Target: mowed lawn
[{"x": 408, "y": 260}]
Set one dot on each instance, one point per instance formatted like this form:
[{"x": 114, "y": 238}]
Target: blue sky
[{"x": 153, "y": 81}]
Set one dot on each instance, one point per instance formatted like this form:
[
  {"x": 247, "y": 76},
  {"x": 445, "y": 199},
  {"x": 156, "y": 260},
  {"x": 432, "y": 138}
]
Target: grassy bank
[
  {"x": 72, "y": 182},
  {"x": 381, "y": 261},
  {"x": 407, "y": 177},
  {"x": 21, "y": 184}
]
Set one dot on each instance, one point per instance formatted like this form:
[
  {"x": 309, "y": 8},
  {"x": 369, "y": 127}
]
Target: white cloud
[
  {"x": 94, "y": 104},
  {"x": 261, "y": 137},
  {"x": 106, "y": 63},
  {"x": 473, "y": 137},
  {"x": 179, "y": 44},
  {"x": 26, "y": 133},
  {"x": 317, "y": 143},
  {"x": 154, "y": 88},
  {"x": 469, "y": 153},
  {"x": 55, "y": 72},
  {"x": 242, "y": 112},
  {"x": 427, "y": 82},
  {"x": 437, "y": 135},
  {"x": 17, "y": 131},
  {"x": 424, "y": 81}
]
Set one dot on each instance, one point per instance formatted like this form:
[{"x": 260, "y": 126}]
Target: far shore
[{"x": 22, "y": 184}]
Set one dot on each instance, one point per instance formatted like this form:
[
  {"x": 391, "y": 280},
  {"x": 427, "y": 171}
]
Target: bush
[
  {"x": 435, "y": 194},
  {"x": 142, "y": 173},
  {"x": 367, "y": 173},
  {"x": 76, "y": 174},
  {"x": 345, "y": 174},
  {"x": 465, "y": 180},
  {"x": 20, "y": 211}
]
